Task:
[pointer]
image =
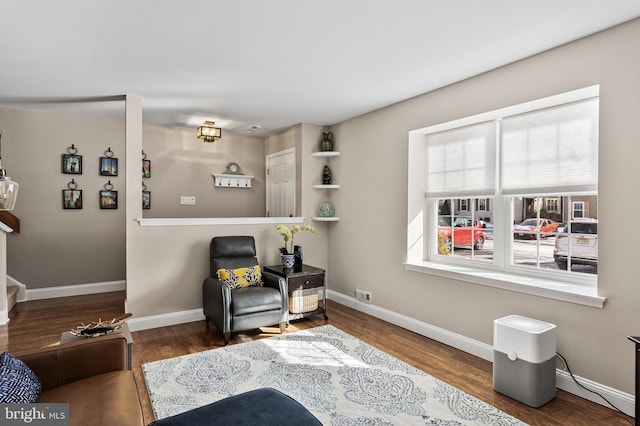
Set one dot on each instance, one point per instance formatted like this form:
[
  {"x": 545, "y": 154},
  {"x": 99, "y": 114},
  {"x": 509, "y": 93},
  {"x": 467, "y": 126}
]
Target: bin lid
[{"x": 528, "y": 325}]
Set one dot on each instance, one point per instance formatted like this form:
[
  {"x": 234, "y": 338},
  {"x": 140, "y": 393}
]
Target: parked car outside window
[
  {"x": 466, "y": 232},
  {"x": 577, "y": 244},
  {"x": 535, "y": 228}
]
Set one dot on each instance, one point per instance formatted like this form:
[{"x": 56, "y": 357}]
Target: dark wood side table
[
  {"x": 636, "y": 340},
  {"x": 301, "y": 278},
  {"x": 68, "y": 337}
]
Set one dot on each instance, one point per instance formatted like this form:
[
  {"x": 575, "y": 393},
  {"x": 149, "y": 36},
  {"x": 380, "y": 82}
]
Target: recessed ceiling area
[{"x": 274, "y": 63}]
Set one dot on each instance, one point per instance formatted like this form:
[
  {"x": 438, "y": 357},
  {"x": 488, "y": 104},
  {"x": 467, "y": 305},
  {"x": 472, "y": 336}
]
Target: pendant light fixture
[
  {"x": 8, "y": 188},
  {"x": 208, "y": 133}
]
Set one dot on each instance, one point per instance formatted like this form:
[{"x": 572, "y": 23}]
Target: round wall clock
[{"x": 233, "y": 169}]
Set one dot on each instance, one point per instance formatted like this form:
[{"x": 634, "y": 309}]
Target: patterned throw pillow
[
  {"x": 18, "y": 384},
  {"x": 241, "y": 277}
]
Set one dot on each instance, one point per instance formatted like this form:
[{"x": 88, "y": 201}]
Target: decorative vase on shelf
[
  {"x": 327, "y": 141},
  {"x": 288, "y": 260},
  {"x": 326, "y": 175},
  {"x": 326, "y": 209}
]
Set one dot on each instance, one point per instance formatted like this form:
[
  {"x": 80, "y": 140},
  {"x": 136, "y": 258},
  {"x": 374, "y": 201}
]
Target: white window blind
[
  {"x": 462, "y": 161},
  {"x": 551, "y": 150}
]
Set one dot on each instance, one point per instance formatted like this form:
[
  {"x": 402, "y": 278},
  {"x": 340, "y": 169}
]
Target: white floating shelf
[
  {"x": 326, "y": 186},
  {"x": 325, "y": 219},
  {"x": 231, "y": 181},
  {"x": 325, "y": 154}
]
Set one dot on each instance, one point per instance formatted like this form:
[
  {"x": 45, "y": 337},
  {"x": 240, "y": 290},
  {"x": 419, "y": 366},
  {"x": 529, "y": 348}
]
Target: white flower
[{"x": 287, "y": 235}]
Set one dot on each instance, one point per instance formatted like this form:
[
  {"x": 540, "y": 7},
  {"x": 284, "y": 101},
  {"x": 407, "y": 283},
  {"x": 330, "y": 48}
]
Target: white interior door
[{"x": 281, "y": 184}]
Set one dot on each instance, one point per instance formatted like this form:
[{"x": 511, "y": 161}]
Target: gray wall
[
  {"x": 373, "y": 206},
  {"x": 182, "y": 165},
  {"x": 88, "y": 246},
  {"x": 62, "y": 247}
]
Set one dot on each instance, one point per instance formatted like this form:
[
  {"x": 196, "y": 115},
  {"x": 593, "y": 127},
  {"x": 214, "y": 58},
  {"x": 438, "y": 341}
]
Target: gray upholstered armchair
[{"x": 237, "y": 309}]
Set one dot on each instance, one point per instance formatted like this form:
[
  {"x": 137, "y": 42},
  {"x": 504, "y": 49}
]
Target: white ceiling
[{"x": 273, "y": 63}]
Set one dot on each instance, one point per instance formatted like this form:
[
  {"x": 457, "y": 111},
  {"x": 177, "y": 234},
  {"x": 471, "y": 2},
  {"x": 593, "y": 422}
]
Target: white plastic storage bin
[{"x": 524, "y": 365}]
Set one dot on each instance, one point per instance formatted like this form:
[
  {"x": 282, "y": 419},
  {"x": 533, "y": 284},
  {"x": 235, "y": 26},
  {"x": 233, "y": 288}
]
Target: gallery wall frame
[
  {"x": 72, "y": 199},
  {"x": 146, "y": 200},
  {"x": 108, "y": 199},
  {"x": 72, "y": 196},
  {"x": 146, "y": 169},
  {"x": 108, "y": 165},
  {"x": 71, "y": 164},
  {"x": 71, "y": 161}
]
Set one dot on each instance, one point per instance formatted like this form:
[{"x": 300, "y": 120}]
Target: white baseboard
[
  {"x": 135, "y": 324},
  {"x": 70, "y": 290},
  {"x": 623, "y": 401},
  {"x": 165, "y": 320},
  {"x": 479, "y": 349},
  {"x": 12, "y": 282}
]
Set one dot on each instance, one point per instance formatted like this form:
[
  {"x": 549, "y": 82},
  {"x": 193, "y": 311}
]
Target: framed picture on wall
[
  {"x": 108, "y": 199},
  {"x": 72, "y": 164},
  {"x": 146, "y": 168},
  {"x": 146, "y": 200},
  {"x": 108, "y": 166},
  {"x": 71, "y": 199}
]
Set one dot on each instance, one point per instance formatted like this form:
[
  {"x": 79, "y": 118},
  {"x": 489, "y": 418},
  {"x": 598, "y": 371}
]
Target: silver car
[{"x": 577, "y": 242}]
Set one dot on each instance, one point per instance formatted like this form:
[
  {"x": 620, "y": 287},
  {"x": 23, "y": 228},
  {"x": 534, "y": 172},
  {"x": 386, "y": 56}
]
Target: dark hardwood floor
[{"x": 40, "y": 323}]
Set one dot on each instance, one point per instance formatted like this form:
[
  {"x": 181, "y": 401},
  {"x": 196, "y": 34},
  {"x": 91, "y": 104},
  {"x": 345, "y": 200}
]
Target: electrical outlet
[
  {"x": 363, "y": 296},
  {"x": 188, "y": 200}
]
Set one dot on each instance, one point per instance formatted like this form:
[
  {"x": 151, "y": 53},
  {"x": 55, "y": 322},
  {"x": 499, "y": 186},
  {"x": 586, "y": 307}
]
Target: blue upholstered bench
[{"x": 264, "y": 406}]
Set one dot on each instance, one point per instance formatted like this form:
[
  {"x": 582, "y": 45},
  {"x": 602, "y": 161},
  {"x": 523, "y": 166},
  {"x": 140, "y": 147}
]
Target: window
[
  {"x": 462, "y": 234},
  {"x": 519, "y": 178},
  {"x": 537, "y": 240},
  {"x": 552, "y": 205}
]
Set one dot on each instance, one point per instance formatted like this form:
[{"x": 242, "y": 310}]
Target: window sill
[{"x": 567, "y": 292}]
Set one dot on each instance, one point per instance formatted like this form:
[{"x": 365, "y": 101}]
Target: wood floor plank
[{"x": 40, "y": 323}]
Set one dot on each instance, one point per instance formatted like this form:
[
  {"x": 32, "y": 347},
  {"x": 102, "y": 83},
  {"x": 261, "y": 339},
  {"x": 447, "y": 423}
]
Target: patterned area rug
[{"x": 340, "y": 379}]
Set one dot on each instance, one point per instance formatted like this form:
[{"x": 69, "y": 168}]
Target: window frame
[{"x": 422, "y": 213}]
